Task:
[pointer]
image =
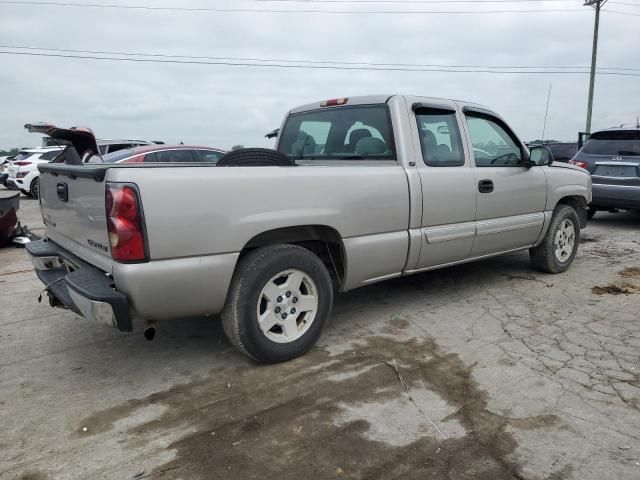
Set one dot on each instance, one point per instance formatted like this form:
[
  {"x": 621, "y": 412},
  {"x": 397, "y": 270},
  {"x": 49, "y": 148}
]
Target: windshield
[
  {"x": 613, "y": 143},
  {"x": 356, "y": 133}
]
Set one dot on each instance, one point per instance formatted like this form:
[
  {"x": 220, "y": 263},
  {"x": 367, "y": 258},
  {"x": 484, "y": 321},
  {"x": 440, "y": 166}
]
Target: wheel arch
[
  {"x": 579, "y": 204},
  {"x": 324, "y": 241}
]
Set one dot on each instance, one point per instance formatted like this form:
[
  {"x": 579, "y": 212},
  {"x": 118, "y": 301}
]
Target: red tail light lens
[
  {"x": 578, "y": 163},
  {"x": 21, "y": 163},
  {"x": 125, "y": 223}
]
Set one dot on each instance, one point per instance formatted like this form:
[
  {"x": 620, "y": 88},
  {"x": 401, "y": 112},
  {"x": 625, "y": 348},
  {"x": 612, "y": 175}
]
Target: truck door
[
  {"x": 448, "y": 186},
  {"x": 511, "y": 197}
]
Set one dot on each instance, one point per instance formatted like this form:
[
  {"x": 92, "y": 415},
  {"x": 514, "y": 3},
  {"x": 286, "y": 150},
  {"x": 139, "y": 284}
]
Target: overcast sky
[{"x": 226, "y": 105}]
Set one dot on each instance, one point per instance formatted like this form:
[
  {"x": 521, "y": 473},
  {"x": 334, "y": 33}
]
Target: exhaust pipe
[{"x": 149, "y": 330}]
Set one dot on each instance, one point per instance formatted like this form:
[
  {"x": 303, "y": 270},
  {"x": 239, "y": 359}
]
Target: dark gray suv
[{"x": 612, "y": 157}]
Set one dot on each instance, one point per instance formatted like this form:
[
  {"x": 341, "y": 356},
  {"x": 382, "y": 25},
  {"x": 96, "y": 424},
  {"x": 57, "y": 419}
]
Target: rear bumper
[
  {"x": 81, "y": 287},
  {"x": 11, "y": 183},
  {"x": 616, "y": 196}
]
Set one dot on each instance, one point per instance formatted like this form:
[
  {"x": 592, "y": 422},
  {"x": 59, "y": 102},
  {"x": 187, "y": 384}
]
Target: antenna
[{"x": 546, "y": 113}]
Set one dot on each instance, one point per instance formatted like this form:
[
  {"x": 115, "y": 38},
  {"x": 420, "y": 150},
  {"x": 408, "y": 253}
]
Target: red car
[{"x": 162, "y": 154}]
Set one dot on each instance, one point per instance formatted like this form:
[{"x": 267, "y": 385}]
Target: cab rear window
[{"x": 361, "y": 132}]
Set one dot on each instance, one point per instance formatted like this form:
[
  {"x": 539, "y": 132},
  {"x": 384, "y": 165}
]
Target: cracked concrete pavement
[{"x": 502, "y": 372}]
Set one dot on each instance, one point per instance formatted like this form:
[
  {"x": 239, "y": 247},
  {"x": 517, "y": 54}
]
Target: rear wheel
[
  {"x": 34, "y": 190},
  {"x": 279, "y": 302},
  {"x": 560, "y": 245}
]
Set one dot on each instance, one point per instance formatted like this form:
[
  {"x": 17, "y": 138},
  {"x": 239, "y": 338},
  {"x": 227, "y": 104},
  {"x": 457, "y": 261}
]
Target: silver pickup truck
[{"x": 357, "y": 191}]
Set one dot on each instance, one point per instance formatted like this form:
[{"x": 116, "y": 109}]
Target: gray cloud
[{"x": 226, "y": 105}]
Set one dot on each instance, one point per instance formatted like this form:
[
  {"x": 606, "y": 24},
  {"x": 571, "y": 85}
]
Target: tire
[
  {"x": 26, "y": 192},
  {"x": 255, "y": 291},
  {"x": 591, "y": 211},
  {"x": 255, "y": 157},
  {"x": 556, "y": 253},
  {"x": 34, "y": 189}
]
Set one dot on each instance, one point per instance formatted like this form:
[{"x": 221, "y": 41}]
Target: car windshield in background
[
  {"x": 613, "y": 143},
  {"x": 22, "y": 156},
  {"x": 339, "y": 133},
  {"x": 113, "y": 157}
]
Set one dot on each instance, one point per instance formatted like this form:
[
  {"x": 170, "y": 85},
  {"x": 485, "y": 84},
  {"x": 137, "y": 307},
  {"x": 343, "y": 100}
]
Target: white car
[{"x": 23, "y": 169}]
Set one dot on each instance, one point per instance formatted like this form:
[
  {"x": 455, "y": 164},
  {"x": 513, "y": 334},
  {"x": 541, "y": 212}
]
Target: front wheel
[
  {"x": 560, "y": 245},
  {"x": 278, "y": 303}
]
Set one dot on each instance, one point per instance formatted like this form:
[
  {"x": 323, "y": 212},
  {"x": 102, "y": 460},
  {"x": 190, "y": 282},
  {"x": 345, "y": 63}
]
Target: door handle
[{"x": 485, "y": 186}]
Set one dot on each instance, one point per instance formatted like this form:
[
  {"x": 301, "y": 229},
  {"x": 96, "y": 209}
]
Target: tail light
[
  {"x": 578, "y": 163},
  {"x": 125, "y": 223},
  {"x": 21, "y": 163},
  {"x": 21, "y": 174}
]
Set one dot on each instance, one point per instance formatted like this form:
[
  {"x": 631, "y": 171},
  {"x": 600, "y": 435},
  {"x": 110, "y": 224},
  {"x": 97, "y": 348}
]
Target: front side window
[
  {"x": 339, "y": 133},
  {"x": 208, "y": 155},
  {"x": 493, "y": 146},
  {"x": 619, "y": 143},
  {"x": 440, "y": 138}
]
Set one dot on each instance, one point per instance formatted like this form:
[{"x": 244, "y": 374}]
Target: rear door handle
[{"x": 485, "y": 186}]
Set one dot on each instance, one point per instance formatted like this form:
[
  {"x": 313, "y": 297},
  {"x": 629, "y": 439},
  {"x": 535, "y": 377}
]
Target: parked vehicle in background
[
  {"x": 23, "y": 169},
  {"x": 4, "y": 173},
  {"x": 162, "y": 154},
  {"x": 562, "y": 151},
  {"x": 110, "y": 146},
  {"x": 612, "y": 157},
  {"x": 360, "y": 190}
]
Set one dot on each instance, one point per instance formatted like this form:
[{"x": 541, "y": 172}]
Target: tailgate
[{"x": 73, "y": 209}]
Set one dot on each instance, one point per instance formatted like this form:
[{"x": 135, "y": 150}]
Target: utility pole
[{"x": 594, "y": 53}]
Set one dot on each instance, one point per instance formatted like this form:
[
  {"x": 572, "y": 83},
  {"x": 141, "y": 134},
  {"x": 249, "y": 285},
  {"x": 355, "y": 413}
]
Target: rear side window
[
  {"x": 493, "y": 144},
  {"x": 208, "y": 155},
  {"x": 613, "y": 143},
  {"x": 170, "y": 156},
  {"x": 361, "y": 132},
  {"x": 50, "y": 155},
  {"x": 440, "y": 138}
]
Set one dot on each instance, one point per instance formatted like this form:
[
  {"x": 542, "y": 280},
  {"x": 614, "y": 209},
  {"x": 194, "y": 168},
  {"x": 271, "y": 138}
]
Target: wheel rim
[
  {"x": 287, "y": 306},
  {"x": 565, "y": 240}
]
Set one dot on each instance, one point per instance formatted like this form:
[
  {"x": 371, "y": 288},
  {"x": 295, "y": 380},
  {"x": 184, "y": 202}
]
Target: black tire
[
  {"x": 34, "y": 189},
  {"x": 255, "y": 157},
  {"x": 253, "y": 273},
  {"x": 591, "y": 211},
  {"x": 543, "y": 257}
]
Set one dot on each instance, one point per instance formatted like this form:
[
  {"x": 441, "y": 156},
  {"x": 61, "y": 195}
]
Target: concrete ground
[{"x": 483, "y": 371}]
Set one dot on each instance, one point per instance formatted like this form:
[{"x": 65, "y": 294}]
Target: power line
[
  {"x": 256, "y": 10},
  {"x": 323, "y": 67},
  {"x": 628, "y": 4},
  {"x": 333, "y": 62},
  {"x": 406, "y": 1}
]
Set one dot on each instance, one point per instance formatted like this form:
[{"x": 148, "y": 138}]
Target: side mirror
[{"x": 540, "y": 155}]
